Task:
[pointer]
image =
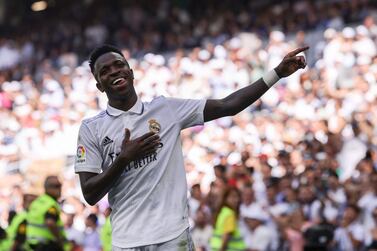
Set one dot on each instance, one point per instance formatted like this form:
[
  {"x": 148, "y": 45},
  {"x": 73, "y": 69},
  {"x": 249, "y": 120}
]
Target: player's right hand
[{"x": 139, "y": 147}]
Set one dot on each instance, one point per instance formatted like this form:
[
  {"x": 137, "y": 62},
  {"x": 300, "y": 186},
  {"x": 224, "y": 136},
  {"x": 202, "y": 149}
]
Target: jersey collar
[{"x": 136, "y": 109}]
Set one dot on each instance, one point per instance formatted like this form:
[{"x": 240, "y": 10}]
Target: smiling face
[{"x": 114, "y": 77}]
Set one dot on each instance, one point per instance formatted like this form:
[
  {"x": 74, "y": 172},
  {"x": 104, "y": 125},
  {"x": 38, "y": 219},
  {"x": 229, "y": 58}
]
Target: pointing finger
[{"x": 297, "y": 51}]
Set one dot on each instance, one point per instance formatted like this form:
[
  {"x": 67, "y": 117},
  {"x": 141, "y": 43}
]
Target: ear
[
  {"x": 100, "y": 87},
  {"x": 132, "y": 74}
]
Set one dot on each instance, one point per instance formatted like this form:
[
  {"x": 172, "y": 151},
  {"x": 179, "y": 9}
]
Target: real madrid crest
[{"x": 154, "y": 126}]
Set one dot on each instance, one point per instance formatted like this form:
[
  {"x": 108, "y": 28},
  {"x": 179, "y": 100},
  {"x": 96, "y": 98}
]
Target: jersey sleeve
[
  {"x": 88, "y": 156},
  {"x": 187, "y": 112}
]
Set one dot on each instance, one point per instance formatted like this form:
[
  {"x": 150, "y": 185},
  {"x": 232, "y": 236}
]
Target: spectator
[
  {"x": 16, "y": 231},
  {"x": 92, "y": 241},
  {"x": 258, "y": 236},
  {"x": 75, "y": 236},
  {"x": 350, "y": 234},
  {"x": 44, "y": 229},
  {"x": 226, "y": 233},
  {"x": 371, "y": 241},
  {"x": 195, "y": 200},
  {"x": 291, "y": 226},
  {"x": 202, "y": 230}
]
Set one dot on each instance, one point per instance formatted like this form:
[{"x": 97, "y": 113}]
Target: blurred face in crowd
[
  {"x": 271, "y": 194},
  {"x": 53, "y": 187},
  {"x": 233, "y": 199},
  {"x": 90, "y": 223},
  {"x": 201, "y": 219},
  {"x": 247, "y": 195},
  {"x": 196, "y": 192},
  {"x": 352, "y": 192},
  {"x": 333, "y": 182},
  {"x": 114, "y": 76},
  {"x": 69, "y": 219},
  {"x": 365, "y": 167},
  {"x": 290, "y": 195},
  {"x": 284, "y": 183},
  {"x": 350, "y": 215},
  {"x": 219, "y": 171},
  {"x": 266, "y": 171},
  {"x": 297, "y": 219},
  {"x": 310, "y": 177},
  {"x": 27, "y": 200},
  {"x": 305, "y": 194}
]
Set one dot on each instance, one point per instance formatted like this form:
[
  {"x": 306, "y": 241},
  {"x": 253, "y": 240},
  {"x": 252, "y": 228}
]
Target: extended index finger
[{"x": 297, "y": 51}]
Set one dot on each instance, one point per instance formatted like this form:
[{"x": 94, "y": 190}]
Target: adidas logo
[{"x": 106, "y": 141}]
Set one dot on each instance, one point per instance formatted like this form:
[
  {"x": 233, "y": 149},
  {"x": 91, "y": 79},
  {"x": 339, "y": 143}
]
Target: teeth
[{"x": 117, "y": 80}]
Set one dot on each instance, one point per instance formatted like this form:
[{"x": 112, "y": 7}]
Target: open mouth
[{"x": 118, "y": 81}]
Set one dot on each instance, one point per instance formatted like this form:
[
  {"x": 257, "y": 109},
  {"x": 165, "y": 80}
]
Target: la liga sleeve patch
[{"x": 81, "y": 154}]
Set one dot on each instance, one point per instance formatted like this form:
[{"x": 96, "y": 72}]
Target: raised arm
[
  {"x": 242, "y": 98},
  {"x": 94, "y": 186}
]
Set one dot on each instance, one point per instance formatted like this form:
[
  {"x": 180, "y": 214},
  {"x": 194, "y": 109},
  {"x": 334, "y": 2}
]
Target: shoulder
[
  {"x": 100, "y": 116},
  {"x": 93, "y": 124},
  {"x": 43, "y": 202},
  {"x": 228, "y": 210},
  {"x": 164, "y": 99},
  {"x": 156, "y": 101},
  {"x": 175, "y": 102},
  {"x": 52, "y": 210}
]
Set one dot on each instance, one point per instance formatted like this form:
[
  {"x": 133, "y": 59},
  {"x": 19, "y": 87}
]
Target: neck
[{"x": 123, "y": 104}]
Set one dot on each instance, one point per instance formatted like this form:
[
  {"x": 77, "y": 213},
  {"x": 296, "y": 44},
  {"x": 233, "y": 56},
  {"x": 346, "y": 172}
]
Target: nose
[{"x": 114, "y": 72}]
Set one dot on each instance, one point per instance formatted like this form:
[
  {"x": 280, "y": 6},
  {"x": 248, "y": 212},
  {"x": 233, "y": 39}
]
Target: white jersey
[{"x": 149, "y": 201}]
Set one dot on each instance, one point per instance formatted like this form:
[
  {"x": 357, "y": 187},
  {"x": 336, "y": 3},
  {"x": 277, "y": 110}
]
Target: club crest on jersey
[
  {"x": 81, "y": 154},
  {"x": 154, "y": 126}
]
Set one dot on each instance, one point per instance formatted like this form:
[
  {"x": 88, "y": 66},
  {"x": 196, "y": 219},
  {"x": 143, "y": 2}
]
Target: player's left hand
[{"x": 291, "y": 63}]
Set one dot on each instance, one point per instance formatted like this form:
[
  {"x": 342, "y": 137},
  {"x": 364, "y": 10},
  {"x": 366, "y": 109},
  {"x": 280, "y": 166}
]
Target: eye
[
  {"x": 103, "y": 71},
  {"x": 120, "y": 63}
]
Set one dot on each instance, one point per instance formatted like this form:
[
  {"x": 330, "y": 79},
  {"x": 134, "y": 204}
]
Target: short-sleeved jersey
[{"x": 149, "y": 201}]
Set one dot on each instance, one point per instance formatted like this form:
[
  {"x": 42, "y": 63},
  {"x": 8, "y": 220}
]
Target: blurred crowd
[{"x": 303, "y": 158}]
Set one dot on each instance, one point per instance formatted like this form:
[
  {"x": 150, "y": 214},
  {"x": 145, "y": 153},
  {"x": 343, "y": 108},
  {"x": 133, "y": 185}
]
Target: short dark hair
[
  {"x": 99, "y": 51},
  {"x": 220, "y": 167},
  {"x": 355, "y": 208},
  {"x": 93, "y": 218},
  {"x": 48, "y": 180}
]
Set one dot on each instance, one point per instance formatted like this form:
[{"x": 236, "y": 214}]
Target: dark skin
[{"x": 115, "y": 77}]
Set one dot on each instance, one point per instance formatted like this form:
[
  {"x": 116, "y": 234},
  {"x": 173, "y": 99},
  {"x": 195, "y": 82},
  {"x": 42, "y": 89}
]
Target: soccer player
[{"x": 132, "y": 151}]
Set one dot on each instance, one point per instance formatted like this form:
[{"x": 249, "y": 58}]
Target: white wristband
[{"x": 270, "y": 78}]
